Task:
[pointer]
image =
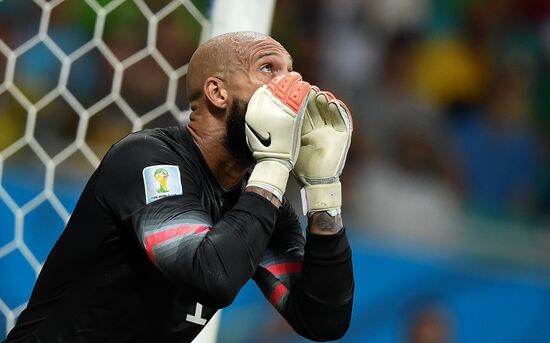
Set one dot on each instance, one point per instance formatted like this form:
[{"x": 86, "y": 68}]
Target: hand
[
  {"x": 326, "y": 138},
  {"x": 273, "y": 124}
]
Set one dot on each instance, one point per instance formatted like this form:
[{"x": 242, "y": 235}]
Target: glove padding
[
  {"x": 273, "y": 123},
  {"x": 326, "y": 138}
]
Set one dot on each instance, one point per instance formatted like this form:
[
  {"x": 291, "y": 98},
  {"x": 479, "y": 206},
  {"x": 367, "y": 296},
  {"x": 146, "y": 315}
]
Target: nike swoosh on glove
[{"x": 273, "y": 123}]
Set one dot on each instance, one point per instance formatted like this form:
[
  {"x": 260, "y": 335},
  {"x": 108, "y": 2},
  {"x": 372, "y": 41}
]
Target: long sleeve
[
  {"x": 309, "y": 282},
  {"x": 213, "y": 261},
  {"x": 164, "y": 200}
]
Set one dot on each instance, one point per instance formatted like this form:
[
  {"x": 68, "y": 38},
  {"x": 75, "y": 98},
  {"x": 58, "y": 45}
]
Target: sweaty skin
[{"x": 231, "y": 57}]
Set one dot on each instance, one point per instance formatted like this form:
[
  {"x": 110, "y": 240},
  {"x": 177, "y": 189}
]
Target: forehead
[{"x": 266, "y": 47}]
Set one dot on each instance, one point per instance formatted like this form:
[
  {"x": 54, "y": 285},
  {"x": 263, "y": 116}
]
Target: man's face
[
  {"x": 258, "y": 65},
  {"x": 261, "y": 61}
]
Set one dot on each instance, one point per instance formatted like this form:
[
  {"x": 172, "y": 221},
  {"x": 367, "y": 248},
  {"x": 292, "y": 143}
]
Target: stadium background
[{"x": 447, "y": 186}]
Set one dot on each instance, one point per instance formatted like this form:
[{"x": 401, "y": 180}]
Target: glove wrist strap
[
  {"x": 322, "y": 197},
  {"x": 271, "y": 176}
]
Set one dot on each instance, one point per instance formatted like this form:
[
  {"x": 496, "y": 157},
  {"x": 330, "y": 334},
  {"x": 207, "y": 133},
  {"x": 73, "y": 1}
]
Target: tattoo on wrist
[
  {"x": 265, "y": 193},
  {"x": 324, "y": 224}
]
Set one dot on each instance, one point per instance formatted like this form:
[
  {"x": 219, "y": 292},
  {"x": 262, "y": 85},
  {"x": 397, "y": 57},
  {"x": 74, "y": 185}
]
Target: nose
[{"x": 286, "y": 72}]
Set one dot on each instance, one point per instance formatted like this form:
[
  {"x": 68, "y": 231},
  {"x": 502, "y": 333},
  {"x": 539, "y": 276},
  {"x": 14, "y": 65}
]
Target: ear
[{"x": 215, "y": 92}]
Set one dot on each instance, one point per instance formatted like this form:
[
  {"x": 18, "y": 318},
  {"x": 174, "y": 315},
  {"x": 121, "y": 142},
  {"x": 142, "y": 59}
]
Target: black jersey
[{"x": 155, "y": 246}]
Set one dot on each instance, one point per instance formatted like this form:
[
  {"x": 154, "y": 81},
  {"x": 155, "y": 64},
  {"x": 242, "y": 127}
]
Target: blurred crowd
[
  {"x": 451, "y": 103},
  {"x": 451, "y": 99}
]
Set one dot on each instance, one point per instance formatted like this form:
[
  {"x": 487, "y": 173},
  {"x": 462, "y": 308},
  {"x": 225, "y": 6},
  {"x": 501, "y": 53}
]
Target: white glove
[
  {"x": 326, "y": 138},
  {"x": 273, "y": 123}
]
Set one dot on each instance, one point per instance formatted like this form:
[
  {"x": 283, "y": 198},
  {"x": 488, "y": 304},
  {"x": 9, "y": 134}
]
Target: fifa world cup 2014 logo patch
[
  {"x": 161, "y": 181},
  {"x": 161, "y": 175}
]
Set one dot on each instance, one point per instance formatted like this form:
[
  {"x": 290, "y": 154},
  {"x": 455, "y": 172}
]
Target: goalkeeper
[{"x": 175, "y": 221}]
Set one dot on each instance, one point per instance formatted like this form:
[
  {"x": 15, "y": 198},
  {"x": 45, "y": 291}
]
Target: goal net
[{"x": 75, "y": 77}]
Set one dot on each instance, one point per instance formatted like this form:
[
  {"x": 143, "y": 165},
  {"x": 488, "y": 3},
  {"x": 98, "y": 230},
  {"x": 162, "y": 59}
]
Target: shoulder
[
  {"x": 144, "y": 148},
  {"x": 143, "y": 167},
  {"x": 145, "y": 145}
]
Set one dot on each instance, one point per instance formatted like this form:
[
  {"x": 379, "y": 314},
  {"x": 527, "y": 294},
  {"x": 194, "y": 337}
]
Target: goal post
[
  {"x": 60, "y": 89},
  {"x": 240, "y": 15},
  {"x": 229, "y": 16}
]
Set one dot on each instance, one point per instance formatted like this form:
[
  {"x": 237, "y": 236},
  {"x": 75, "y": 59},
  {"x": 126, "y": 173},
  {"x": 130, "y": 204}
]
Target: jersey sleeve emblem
[{"x": 161, "y": 181}]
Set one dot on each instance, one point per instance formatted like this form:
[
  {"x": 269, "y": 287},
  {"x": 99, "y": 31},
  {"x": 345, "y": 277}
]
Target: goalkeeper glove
[
  {"x": 326, "y": 138},
  {"x": 273, "y": 123}
]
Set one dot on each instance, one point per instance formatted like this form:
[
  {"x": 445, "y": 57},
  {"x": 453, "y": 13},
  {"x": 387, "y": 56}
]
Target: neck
[{"x": 208, "y": 133}]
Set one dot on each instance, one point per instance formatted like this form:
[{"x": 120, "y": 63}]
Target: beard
[{"x": 235, "y": 136}]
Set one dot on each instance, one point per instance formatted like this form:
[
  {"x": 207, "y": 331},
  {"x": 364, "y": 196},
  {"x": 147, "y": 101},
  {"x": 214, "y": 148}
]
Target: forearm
[
  {"x": 310, "y": 282},
  {"x": 215, "y": 262},
  {"x": 319, "y": 307},
  {"x": 237, "y": 242}
]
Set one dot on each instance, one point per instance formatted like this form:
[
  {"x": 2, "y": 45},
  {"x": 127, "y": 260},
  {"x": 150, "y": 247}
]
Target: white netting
[{"x": 64, "y": 100}]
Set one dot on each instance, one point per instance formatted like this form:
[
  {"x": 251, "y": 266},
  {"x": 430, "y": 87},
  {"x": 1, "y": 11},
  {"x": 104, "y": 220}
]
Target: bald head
[{"x": 223, "y": 56}]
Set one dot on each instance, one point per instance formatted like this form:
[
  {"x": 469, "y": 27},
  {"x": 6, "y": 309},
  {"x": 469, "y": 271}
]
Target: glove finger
[
  {"x": 323, "y": 99},
  {"x": 314, "y": 111},
  {"x": 350, "y": 116},
  {"x": 340, "y": 116},
  {"x": 281, "y": 85},
  {"x": 298, "y": 95},
  {"x": 290, "y": 89},
  {"x": 308, "y": 124},
  {"x": 330, "y": 96}
]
